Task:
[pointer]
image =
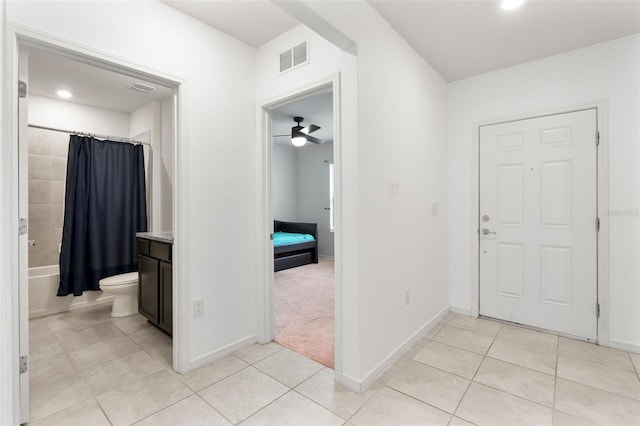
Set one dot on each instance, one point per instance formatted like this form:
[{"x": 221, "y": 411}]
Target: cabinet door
[
  {"x": 166, "y": 297},
  {"x": 148, "y": 288}
]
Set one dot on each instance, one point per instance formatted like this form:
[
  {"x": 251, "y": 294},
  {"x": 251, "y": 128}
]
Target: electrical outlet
[
  {"x": 407, "y": 297},
  {"x": 198, "y": 307}
]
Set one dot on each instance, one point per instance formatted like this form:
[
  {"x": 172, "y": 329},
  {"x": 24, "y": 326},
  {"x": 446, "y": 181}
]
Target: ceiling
[
  {"x": 459, "y": 38},
  {"x": 89, "y": 85},
  {"x": 316, "y": 110},
  {"x": 465, "y": 38},
  {"x": 254, "y": 22}
]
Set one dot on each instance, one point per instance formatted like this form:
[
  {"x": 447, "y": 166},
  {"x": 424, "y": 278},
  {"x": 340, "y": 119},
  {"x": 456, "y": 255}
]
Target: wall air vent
[
  {"x": 141, "y": 87},
  {"x": 294, "y": 57}
]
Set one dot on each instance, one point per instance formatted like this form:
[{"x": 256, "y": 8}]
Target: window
[{"x": 331, "y": 180}]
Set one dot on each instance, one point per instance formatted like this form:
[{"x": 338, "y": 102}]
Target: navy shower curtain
[{"x": 105, "y": 205}]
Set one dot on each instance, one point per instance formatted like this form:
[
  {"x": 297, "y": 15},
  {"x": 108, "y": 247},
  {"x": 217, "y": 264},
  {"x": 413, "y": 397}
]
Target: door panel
[{"x": 538, "y": 208}]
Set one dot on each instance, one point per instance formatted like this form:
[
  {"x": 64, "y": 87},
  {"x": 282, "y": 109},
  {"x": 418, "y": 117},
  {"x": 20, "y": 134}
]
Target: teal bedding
[{"x": 286, "y": 238}]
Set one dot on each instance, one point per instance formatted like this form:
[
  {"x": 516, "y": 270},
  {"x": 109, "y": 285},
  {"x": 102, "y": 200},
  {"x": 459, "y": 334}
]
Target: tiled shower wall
[{"x": 47, "y": 172}]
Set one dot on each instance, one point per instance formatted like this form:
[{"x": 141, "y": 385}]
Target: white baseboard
[
  {"x": 350, "y": 383},
  {"x": 219, "y": 353},
  {"x": 623, "y": 345},
  {"x": 372, "y": 376},
  {"x": 462, "y": 310}
]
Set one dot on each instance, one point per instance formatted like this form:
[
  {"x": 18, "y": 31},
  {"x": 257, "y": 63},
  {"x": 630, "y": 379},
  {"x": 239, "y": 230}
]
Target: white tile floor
[{"x": 90, "y": 369}]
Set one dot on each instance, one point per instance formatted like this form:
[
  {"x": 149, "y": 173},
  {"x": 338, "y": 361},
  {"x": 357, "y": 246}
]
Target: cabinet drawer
[
  {"x": 160, "y": 251},
  {"x": 143, "y": 246}
]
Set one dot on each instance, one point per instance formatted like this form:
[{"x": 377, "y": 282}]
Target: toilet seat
[{"x": 118, "y": 280}]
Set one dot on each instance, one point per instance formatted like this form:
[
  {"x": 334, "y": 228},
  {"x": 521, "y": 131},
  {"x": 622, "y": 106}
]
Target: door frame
[
  {"x": 602, "y": 185},
  {"x": 14, "y": 306},
  {"x": 264, "y": 209}
]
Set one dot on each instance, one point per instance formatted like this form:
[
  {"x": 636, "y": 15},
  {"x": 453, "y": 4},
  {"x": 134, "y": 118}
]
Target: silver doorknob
[{"x": 485, "y": 231}]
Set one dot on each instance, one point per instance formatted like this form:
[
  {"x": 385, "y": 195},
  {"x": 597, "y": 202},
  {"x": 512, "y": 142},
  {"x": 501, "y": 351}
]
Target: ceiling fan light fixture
[
  {"x": 510, "y": 4},
  {"x": 298, "y": 140}
]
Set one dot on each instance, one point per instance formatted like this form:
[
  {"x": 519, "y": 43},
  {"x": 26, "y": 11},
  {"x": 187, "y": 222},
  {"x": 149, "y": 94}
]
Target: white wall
[
  {"x": 300, "y": 188},
  {"x": 216, "y": 198},
  {"x": 61, "y": 114},
  {"x": 313, "y": 191},
  {"x": 608, "y": 71},
  {"x": 147, "y": 121},
  {"x": 284, "y": 174},
  {"x": 400, "y": 173},
  {"x": 167, "y": 171}
]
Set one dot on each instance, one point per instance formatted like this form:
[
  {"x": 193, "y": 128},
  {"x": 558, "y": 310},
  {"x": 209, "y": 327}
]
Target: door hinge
[
  {"x": 597, "y": 310},
  {"x": 24, "y": 364},
  {"x": 597, "y": 138},
  {"x": 597, "y": 224},
  {"x": 22, "y": 89},
  {"x": 23, "y": 227}
]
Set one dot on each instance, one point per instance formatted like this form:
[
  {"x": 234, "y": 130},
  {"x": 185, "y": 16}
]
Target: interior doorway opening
[
  {"x": 329, "y": 85},
  {"x": 302, "y": 205},
  {"x": 97, "y": 103}
]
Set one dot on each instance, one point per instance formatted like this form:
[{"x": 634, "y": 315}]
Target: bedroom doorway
[{"x": 302, "y": 206}]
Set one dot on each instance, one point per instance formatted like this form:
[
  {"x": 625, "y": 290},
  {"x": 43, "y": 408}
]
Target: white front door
[{"x": 538, "y": 210}]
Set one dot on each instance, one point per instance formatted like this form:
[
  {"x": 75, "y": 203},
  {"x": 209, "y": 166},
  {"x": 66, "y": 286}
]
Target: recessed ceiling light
[
  {"x": 511, "y": 4},
  {"x": 64, "y": 94}
]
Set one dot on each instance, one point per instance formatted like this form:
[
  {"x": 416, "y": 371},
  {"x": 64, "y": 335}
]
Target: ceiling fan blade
[
  {"x": 309, "y": 129},
  {"x": 277, "y": 136},
  {"x": 314, "y": 140}
]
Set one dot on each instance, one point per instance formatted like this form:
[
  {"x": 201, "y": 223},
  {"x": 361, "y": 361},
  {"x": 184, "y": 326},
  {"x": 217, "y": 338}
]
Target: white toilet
[{"x": 124, "y": 288}]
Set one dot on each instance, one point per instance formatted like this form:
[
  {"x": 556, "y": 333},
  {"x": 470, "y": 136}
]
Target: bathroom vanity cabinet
[{"x": 155, "y": 297}]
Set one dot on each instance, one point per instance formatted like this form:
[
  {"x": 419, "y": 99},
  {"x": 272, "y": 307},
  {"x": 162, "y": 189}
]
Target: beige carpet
[{"x": 304, "y": 314}]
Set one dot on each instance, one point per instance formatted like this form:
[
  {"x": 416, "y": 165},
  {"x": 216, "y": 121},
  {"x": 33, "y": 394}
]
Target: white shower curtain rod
[{"x": 74, "y": 132}]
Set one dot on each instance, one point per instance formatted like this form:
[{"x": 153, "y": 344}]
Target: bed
[{"x": 295, "y": 244}]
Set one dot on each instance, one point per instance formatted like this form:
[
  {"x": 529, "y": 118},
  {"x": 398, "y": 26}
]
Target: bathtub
[{"x": 43, "y": 286}]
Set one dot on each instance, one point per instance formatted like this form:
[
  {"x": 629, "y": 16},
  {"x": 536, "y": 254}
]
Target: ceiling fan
[{"x": 300, "y": 135}]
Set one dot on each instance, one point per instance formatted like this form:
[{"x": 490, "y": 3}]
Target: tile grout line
[
  {"x": 602, "y": 390},
  {"x": 262, "y": 408},
  {"x": 140, "y": 349},
  {"x": 365, "y": 403},
  {"x": 214, "y": 408},
  {"x": 484, "y": 333},
  {"x": 215, "y": 382},
  {"x": 318, "y": 404},
  {"x": 164, "y": 408},
  {"x": 633, "y": 365},
  {"x": 83, "y": 378},
  {"x": 472, "y": 380},
  {"x": 448, "y": 372},
  {"x": 77, "y": 371},
  {"x": 486, "y": 355}
]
